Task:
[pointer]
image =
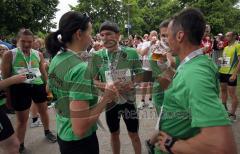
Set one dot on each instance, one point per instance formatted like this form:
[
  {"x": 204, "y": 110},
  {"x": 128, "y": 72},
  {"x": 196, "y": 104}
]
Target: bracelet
[{"x": 169, "y": 144}]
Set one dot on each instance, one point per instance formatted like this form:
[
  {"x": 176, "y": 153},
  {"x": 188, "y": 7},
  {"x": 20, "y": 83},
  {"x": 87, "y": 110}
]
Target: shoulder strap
[{"x": 37, "y": 54}]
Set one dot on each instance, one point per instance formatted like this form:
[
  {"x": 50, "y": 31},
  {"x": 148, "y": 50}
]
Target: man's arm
[
  {"x": 211, "y": 140},
  {"x": 12, "y": 80},
  {"x": 43, "y": 68},
  {"x": 6, "y": 69},
  {"x": 6, "y": 65},
  {"x": 236, "y": 71}
]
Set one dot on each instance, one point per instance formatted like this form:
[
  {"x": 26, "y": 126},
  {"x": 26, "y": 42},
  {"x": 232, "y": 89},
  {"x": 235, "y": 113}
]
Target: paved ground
[{"x": 36, "y": 143}]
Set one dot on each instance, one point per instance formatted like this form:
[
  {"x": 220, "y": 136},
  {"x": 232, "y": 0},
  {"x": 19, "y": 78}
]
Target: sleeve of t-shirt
[
  {"x": 94, "y": 64},
  {"x": 145, "y": 45},
  {"x": 139, "y": 46},
  {"x": 205, "y": 106},
  {"x": 81, "y": 85},
  {"x": 238, "y": 49},
  {"x": 137, "y": 65}
]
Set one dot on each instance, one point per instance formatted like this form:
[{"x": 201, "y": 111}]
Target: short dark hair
[
  {"x": 69, "y": 23},
  {"x": 108, "y": 25},
  {"x": 139, "y": 38},
  {"x": 192, "y": 22},
  {"x": 24, "y": 31},
  {"x": 164, "y": 24}
]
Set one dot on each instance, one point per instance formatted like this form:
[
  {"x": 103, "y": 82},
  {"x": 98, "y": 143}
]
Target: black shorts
[
  {"x": 147, "y": 76},
  {"x": 129, "y": 113},
  {"x": 224, "y": 78},
  {"x": 23, "y": 94},
  {"x": 87, "y": 145},
  {"x": 6, "y": 128}
]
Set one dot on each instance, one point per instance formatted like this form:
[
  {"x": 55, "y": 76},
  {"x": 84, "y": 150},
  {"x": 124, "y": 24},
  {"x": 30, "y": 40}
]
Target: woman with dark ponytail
[{"x": 71, "y": 84}]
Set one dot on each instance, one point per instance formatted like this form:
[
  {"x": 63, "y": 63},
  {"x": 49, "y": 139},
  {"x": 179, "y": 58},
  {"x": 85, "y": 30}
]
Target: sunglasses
[{"x": 85, "y": 19}]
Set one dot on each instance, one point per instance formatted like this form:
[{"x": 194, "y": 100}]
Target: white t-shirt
[
  {"x": 146, "y": 65},
  {"x": 139, "y": 46}
]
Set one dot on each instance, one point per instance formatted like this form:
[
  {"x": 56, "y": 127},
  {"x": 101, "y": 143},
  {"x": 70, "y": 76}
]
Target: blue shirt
[{"x": 10, "y": 46}]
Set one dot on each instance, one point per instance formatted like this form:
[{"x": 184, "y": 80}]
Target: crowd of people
[{"x": 180, "y": 71}]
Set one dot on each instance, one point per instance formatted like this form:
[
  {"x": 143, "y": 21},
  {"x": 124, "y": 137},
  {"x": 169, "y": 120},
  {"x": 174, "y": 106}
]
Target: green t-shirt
[
  {"x": 69, "y": 80},
  {"x": 158, "y": 92},
  {"x": 2, "y": 102},
  {"x": 20, "y": 64},
  {"x": 192, "y": 100},
  {"x": 127, "y": 59},
  {"x": 230, "y": 56}
]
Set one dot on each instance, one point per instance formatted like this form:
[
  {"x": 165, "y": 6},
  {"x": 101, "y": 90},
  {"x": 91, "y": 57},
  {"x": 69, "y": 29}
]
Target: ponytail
[
  {"x": 69, "y": 23},
  {"x": 53, "y": 43}
]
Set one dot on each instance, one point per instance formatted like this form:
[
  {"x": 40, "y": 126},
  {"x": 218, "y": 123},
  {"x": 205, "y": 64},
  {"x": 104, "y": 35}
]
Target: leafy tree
[
  {"x": 146, "y": 15},
  {"x": 101, "y": 10},
  {"x": 33, "y": 14}
]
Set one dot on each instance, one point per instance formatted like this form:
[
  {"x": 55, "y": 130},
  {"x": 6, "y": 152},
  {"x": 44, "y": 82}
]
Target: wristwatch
[{"x": 169, "y": 144}]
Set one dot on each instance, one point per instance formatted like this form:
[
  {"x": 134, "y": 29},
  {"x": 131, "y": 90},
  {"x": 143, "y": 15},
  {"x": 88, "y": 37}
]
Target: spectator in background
[
  {"x": 130, "y": 41},
  {"x": 38, "y": 44},
  {"x": 230, "y": 66},
  {"x": 145, "y": 51},
  {"x": 14, "y": 42},
  {"x": 145, "y": 38},
  {"x": 137, "y": 41},
  {"x": 3, "y": 48},
  {"x": 207, "y": 42},
  {"x": 98, "y": 37},
  {"x": 219, "y": 44},
  {"x": 5, "y": 43}
]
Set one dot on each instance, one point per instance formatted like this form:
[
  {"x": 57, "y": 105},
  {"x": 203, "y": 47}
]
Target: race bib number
[
  {"x": 123, "y": 75},
  {"x": 31, "y": 74},
  {"x": 36, "y": 71},
  {"x": 226, "y": 62}
]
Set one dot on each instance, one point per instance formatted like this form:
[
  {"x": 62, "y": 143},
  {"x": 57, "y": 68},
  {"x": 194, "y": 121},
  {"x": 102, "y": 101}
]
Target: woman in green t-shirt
[{"x": 71, "y": 84}]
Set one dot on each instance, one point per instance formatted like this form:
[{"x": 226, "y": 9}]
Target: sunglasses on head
[{"x": 85, "y": 19}]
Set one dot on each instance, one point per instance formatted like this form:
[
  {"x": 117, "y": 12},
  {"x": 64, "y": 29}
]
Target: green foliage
[
  {"x": 220, "y": 14},
  {"x": 33, "y": 14},
  {"x": 146, "y": 15}
]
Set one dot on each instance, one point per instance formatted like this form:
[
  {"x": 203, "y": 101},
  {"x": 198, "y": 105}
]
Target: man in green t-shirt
[
  {"x": 228, "y": 73},
  {"x": 116, "y": 63},
  {"x": 192, "y": 118},
  {"x": 160, "y": 67}
]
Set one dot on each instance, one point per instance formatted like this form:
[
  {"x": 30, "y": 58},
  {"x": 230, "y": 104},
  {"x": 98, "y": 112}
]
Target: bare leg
[
  {"x": 42, "y": 108},
  {"x": 115, "y": 142},
  {"x": 135, "y": 142},
  {"x": 21, "y": 126}
]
